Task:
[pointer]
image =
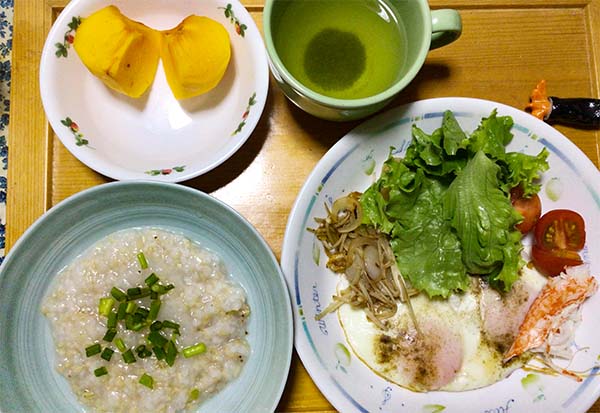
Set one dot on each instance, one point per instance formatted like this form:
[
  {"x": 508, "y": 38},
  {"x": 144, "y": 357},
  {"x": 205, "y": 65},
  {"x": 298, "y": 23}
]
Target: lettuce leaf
[
  {"x": 446, "y": 207},
  {"x": 524, "y": 171},
  {"x": 395, "y": 177},
  {"x": 427, "y": 250},
  {"x": 491, "y": 136},
  {"x": 484, "y": 219}
]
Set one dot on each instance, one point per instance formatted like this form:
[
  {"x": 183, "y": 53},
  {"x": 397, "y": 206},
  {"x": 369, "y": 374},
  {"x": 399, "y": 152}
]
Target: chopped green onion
[
  {"x": 142, "y": 312},
  {"x": 151, "y": 280},
  {"x": 133, "y": 292},
  {"x": 112, "y": 320},
  {"x": 105, "y": 306},
  {"x": 110, "y": 334},
  {"x": 194, "y": 350},
  {"x": 170, "y": 324},
  {"x": 171, "y": 351},
  {"x": 100, "y": 371},
  {"x": 162, "y": 289},
  {"x": 107, "y": 353},
  {"x": 120, "y": 345},
  {"x": 142, "y": 260},
  {"x": 122, "y": 310},
  {"x": 147, "y": 381},
  {"x": 142, "y": 351},
  {"x": 154, "y": 309},
  {"x": 128, "y": 357},
  {"x": 156, "y": 326},
  {"x": 118, "y": 294},
  {"x": 154, "y": 295},
  {"x": 194, "y": 394},
  {"x": 157, "y": 339},
  {"x": 159, "y": 353},
  {"x": 131, "y": 307},
  {"x": 137, "y": 292},
  {"x": 134, "y": 322},
  {"x": 93, "y": 350}
]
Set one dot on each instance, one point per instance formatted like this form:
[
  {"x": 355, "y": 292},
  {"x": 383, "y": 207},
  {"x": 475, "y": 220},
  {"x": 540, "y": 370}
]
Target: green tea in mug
[{"x": 345, "y": 49}]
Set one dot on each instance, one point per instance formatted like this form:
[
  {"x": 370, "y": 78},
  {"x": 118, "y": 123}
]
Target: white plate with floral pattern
[
  {"x": 155, "y": 136},
  {"x": 352, "y": 164}
]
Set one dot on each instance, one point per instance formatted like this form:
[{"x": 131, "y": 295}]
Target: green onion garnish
[
  {"x": 194, "y": 350},
  {"x": 138, "y": 292},
  {"x": 147, "y": 381},
  {"x": 120, "y": 345},
  {"x": 128, "y": 357},
  {"x": 142, "y": 351},
  {"x": 107, "y": 353},
  {"x": 151, "y": 280},
  {"x": 171, "y": 351},
  {"x": 118, "y": 294},
  {"x": 131, "y": 307},
  {"x": 133, "y": 292},
  {"x": 162, "y": 289},
  {"x": 157, "y": 339},
  {"x": 170, "y": 324},
  {"x": 194, "y": 394},
  {"x": 122, "y": 310},
  {"x": 112, "y": 320},
  {"x": 93, "y": 350},
  {"x": 156, "y": 326},
  {"x": 105, "y": 306},
  {"x": 110, "y": 334},
  {"x": 134, "y": 322},
  {"x": 154, "y": 309},
  {"x": 136, "y": 317},
  {"x": 142, "y": 312},
  {"x": 159, "y": 353},
  {"x": 100, "y": 371},
  {"x": 142, "y": 260}
]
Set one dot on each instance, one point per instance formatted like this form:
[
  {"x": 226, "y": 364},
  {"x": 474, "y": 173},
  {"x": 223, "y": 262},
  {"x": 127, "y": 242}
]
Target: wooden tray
[{"x": 506, "y": 48}]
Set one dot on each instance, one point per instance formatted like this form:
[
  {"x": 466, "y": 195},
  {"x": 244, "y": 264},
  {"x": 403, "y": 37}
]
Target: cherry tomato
[
  {"x": 560, "y": 229},
  {"x": 529, "y": 208},
  {"x": 553, "y": 262}
]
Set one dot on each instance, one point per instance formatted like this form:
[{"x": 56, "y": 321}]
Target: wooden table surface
[{"x": 506, "y": 47}]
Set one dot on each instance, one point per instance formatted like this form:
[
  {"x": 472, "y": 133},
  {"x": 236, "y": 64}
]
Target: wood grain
[{"x": 506, "y": 47}]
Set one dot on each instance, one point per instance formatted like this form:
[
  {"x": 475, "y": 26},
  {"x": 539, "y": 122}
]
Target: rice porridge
[{"x": 147, "y": 320}]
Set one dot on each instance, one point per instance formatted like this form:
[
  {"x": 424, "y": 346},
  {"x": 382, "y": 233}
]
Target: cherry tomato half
[
  {"x": 560, "y": 229},
  {"x": 553, "y": 262},
  {"x": 529, "y": 208}
]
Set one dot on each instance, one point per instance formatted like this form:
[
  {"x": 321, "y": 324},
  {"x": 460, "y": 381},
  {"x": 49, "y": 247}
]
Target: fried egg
[{"x": 460, "y": 342}]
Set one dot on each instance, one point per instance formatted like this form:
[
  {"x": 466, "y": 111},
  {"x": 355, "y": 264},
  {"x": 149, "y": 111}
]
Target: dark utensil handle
[{"x": 575, "y": 111}]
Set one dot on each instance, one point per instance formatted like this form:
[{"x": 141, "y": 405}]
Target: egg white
[{"x": 460, "y": 313}]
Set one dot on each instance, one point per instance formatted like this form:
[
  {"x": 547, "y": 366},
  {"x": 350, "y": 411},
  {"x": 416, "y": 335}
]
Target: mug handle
[{"x": 446, "y": 26}]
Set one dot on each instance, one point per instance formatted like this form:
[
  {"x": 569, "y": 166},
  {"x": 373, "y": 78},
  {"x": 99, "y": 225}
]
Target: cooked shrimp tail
[
  {"x": 578, "y": 112},
  {"x": 558, "y": 303},
  {"x": 539, "y": 104}
]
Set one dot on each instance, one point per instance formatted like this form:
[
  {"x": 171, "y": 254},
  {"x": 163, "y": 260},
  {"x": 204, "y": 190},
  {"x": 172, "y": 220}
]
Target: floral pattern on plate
[
  {"x": 62, "y": 49},
  {"x": 157, "y": 137}
]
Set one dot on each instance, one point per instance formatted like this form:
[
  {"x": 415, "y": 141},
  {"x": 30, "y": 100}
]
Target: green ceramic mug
[{"x": 327, "y": 55}]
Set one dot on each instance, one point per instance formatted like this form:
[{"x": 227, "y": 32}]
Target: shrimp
[
  {"x": 558, "y": 302},
  {"x": 539, "y": 104}
]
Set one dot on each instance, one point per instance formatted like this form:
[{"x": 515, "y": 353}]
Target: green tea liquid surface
[{"x": 346, "y": 49}]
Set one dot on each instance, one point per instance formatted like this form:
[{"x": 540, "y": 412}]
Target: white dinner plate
[
  {"x": 352, "y": 164},
  {"x": 155, "y": 136}
]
